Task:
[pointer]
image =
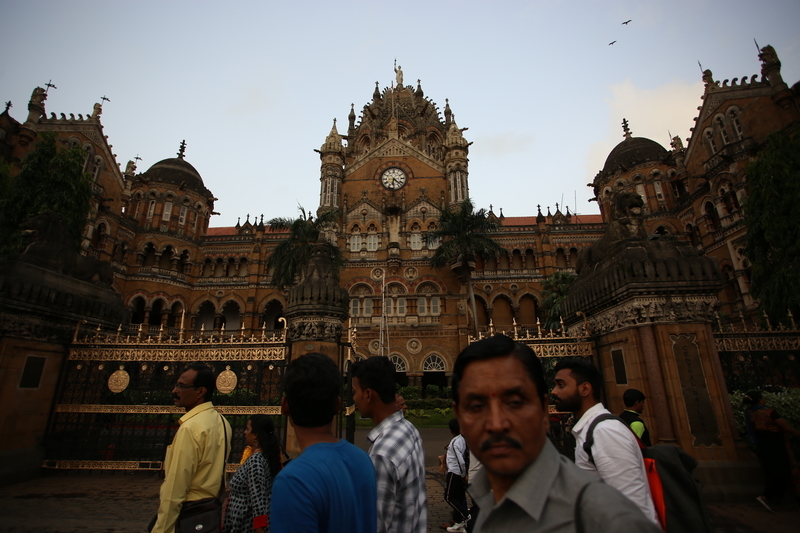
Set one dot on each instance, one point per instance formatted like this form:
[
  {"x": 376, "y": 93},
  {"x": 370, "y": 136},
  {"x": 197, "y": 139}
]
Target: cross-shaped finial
[
  {"x": 137, "y": 158},
  {"x": 490, "y": 208},
  {"x": 8, "y": 105},
  {"x": 104, "y": 99},
  {"x": 556, "y": 206},
  {"x": 364, "y": 193},
  {"x": 626, "y": 129},
  {"x": 182, "y": 151},
  {"x": 49, "y": 85}
]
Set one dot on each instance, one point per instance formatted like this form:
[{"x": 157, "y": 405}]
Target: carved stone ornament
[
  {"x": 377, "y": 274},
  {"x": 118, "y": 381},
  {"x": 374, "y": 346},
  {"x": 641, "y": 311},
  {"x": 413, "y": 345},
  {"x": 226, "y": 381},
  {"x": 411, "y": 273}
]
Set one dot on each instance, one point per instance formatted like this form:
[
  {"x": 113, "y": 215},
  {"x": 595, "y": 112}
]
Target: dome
[
  {"x": 176, "y": 171},
  {"x": 633, "y": 151}
]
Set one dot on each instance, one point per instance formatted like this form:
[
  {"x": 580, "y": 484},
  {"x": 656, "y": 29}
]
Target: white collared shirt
[{"x": 617, "y": 458}]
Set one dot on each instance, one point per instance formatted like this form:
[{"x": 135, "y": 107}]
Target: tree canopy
[
  {"x": 294, "y": 252},
  {"x": 462, "y": 236},
  {"x": 554, "y": 290},
  {"x": 51, "y": 179},
  {"x": 773, "y": 232}
]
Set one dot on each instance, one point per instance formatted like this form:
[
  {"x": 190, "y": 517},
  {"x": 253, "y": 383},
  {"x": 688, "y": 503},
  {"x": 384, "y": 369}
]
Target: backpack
[{"x": 675, "y": 492}]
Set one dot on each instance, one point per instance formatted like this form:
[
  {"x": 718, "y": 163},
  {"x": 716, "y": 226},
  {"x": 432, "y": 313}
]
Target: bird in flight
[
  {"x": 626, "y": 22},
  {"x": 612, "y": 42}
]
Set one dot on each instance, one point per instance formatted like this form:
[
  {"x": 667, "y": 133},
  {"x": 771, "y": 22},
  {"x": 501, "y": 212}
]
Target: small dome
[
  {"x": 633, "y": 151},
  {"x": 175, "y": 171}
]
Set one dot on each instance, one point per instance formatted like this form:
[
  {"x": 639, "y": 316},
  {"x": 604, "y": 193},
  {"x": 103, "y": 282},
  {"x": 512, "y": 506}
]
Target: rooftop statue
[{"x": 398, "y": 71}]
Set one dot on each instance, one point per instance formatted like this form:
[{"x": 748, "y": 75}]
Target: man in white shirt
[
  {"x": 455, "y": 487},
  {"x": 617, "y": 456}
]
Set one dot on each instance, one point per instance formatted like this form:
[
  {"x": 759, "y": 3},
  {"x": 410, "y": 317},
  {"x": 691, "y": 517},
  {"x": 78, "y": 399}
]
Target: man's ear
[
  {"x": 585, "y": 389},
  {"x": 284, "y": 406}
]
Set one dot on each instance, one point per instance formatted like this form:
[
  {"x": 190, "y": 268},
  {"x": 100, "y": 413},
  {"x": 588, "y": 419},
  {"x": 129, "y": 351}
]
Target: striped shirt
[{"x": 399, "y": 461}]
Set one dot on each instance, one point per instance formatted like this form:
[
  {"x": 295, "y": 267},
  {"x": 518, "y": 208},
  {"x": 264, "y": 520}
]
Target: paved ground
[{"x": 107, "y": 502}]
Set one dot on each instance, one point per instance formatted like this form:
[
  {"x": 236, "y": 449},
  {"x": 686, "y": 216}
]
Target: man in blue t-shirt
[{"x": 330, "y": 487}]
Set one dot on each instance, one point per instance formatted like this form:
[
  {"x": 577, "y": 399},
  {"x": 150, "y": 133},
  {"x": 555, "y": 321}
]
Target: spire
[
  {"x": 351, "y": 118},
  {"x": 419, "y": 93},
  {"x": 626, "y": 129},
  {"x": 448, "y": 114},
  {"x": 182, "y": 150},
  {"x": 333, "y": 142},
  {"x": 377, "y": 94},
  {"x": 540, "y": 217}
]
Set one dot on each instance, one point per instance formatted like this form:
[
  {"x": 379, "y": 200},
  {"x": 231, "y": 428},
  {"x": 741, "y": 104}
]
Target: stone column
[{"x": 658, "y": 396}]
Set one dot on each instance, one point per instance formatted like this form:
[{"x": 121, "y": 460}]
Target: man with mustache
[
  {"x": 194, "y": 465},
  {"x": 617, "y": 457},
  {"x": 501, "y": 402}
]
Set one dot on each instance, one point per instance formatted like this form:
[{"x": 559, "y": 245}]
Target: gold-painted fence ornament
[
  {"x": 226, "y": 381},
  {"x": 119, "y": 380}
]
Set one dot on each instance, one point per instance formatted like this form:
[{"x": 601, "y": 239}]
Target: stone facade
[{"x": 401, "y": 161}]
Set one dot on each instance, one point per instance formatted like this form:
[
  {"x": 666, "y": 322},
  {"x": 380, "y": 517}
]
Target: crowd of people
[{"x": 499, "y": 454}]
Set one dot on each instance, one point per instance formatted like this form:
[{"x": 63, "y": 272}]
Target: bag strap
[
  {"x": 589, "y": 442},
  {"x": 224, "y": 457}
]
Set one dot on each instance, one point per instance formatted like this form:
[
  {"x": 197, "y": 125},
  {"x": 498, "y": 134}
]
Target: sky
[{"x": 253, "y": 87}]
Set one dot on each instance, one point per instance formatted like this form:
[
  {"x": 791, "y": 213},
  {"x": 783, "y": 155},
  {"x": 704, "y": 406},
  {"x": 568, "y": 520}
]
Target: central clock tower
[{"x": 403, "y": 160}]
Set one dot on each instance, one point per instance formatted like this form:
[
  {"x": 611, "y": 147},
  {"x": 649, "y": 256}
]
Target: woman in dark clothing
[
  {"x": 766, "y": 429},
  {"x": 251, "y": 485}
]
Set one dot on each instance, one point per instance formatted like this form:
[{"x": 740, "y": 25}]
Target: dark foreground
[{"x": 95, "y": 502}]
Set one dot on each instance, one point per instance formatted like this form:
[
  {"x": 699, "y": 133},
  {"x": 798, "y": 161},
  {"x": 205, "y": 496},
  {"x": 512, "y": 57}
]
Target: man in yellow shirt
[{"x": 195, "y": 460}]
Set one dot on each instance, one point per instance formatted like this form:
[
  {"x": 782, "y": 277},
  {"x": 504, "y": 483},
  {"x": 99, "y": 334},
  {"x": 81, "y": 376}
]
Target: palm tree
[
  {"x": 293, "y": 253},
  {"x": 462, "y": 236},
  {"x": 554, "y": 290}
]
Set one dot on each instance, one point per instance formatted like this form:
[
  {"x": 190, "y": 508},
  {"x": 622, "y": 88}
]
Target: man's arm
[
  {"x": 603, "y": 508},
  {"x": 619, "y": 463},
  {"x": 181, "y": 465},
  {"x": 386, "y": 478}
]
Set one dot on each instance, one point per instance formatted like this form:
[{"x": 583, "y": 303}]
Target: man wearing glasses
[{"x": 195, "y": 461}]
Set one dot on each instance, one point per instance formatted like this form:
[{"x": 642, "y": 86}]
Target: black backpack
[{"x": 676, "y": 493}]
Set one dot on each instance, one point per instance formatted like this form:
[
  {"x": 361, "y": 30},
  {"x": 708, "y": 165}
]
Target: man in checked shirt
[{"x": 396, "y": 449}]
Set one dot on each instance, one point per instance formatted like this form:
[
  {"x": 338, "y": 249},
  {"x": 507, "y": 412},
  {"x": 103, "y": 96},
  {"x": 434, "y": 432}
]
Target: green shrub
[
  {"x": 430, "y": 403},
  {"x": 409, "y": 393}
]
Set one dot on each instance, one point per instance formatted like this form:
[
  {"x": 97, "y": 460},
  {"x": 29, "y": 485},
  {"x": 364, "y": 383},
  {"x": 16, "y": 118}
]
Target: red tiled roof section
[{"x": 231, "y": 230}]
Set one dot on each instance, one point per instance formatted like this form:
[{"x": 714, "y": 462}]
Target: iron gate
[{"x": 114, "y": 405}]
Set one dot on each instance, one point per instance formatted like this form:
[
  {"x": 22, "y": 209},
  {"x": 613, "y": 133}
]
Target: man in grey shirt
[{"x": 501, "y": 401}]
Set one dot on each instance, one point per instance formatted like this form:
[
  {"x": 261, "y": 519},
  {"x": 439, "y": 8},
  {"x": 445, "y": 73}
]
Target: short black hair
[
  {"x": 312, "y": 385},
  {"x": 584, "y": 372},
  {"x": 204, "y": 378},
  {"x": 631, "y": 396},
  {"x": 455, "y": 429},
  {"x": 753, "y": 397},
  {"x": 376, "y": 373},
  {"x": 264, "y": 429},
  {"x": 501, "y": 346}
]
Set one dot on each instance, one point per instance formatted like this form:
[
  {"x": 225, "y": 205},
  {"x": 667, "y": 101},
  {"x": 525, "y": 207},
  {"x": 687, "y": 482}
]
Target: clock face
[{"x": 393, "y": 178}]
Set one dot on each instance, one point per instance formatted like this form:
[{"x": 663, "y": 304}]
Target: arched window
[
  {"x": 712, "y": 144},
  {"x": 433, "y": 363},
  {"x": 722, "y": 131},
  {"x": 399, "y": 363},
  {"x": 355, "y": 239},
  {"x": 733, "y": 114},
  {"x": 137, "y": 317}
]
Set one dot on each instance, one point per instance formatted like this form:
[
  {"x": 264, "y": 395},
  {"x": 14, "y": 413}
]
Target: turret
[
  {"x": 456, "y": 162},
  {"x": 331, "y": 155}
]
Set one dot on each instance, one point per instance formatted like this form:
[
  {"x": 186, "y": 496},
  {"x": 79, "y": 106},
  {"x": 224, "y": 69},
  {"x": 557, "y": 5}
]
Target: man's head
[
  {"x": 195, "y": 385},
  {"x": 634, "y": 400},
  {"x": 578, "y": 384},
  {"x": 400, "y": 403},
  {"x": 373, "y": 385},
  {"x": 455, "y": 429},
  {"x": 311, "y": 391},
  {"x": 500, "y": 401}
]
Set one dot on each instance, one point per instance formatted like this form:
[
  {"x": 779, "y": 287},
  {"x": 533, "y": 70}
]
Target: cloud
[{"x": 651, "y": 113}]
